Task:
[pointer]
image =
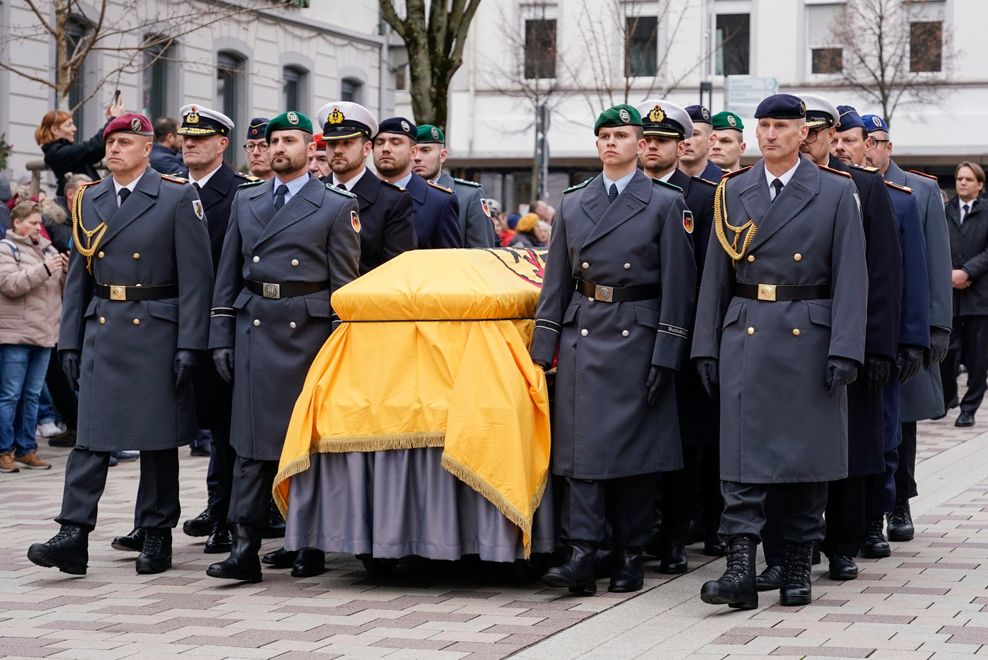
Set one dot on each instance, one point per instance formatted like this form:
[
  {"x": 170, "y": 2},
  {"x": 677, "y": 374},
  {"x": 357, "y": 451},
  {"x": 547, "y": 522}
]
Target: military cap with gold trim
[
  {"x": 341, "y": 120},
  {"x": 727, "y": 121},
  {"x": 665, "y": 119},
  {"x": 131, "y": 122},
  {"x": 199, "y": 121},
  {"x": 619, "y": 115},
  {"x": 820, "y": 113},
  {"x": 255, "y": 130},
  {"x": 292, "y": 120},
  {"x": 429, "y": 134}
]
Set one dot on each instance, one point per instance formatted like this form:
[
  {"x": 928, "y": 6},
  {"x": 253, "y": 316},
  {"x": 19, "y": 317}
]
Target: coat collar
[
  {"x": 682, "y": 180},
  {"x": 771, "y": 216},
  {"x": 367, "y": 189},
  {"x": 303, "y": 204},
  {"x": 143, "y": 198},
  {"x": 895, "y": 174},
  {"x": 417, "y": 188},
  {"x": 607, "y": 216}
]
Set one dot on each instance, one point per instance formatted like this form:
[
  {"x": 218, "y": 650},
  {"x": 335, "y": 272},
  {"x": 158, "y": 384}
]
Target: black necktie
[
  {"x": 612, "y": 193},
  {"x": 777, "y": 184},
  {"x": 964, "y": 211},
  {"x": 124, "y": 194},
  {"x": 197, "y": 187},
  {"x": 341, "y": 186},
  {"x": 279, "y": 197}
]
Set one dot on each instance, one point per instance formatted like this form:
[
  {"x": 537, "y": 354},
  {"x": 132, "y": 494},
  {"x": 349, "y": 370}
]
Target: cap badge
[
  {"x": 335, "y": 117},
  {"x": 435, "y": 133},
  {"x": 705, "y": 113},
  {"x": 656, "y": 115},
  {"x": 405, "y": 127},
  {"x": 732, "y": 121},
  {"x": 623, "y": 114},
  {"x": 802, "y": 107},
  {"x": 876, "y": 121},
  {"x": 135, "y": 124},
  {"x": 192, "y": 117},
  {"x": 292, "y": 118}
]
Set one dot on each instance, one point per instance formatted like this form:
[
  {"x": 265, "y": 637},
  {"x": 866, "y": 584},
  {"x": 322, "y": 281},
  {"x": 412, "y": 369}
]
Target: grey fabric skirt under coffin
[{"x": 393, "y": 504}]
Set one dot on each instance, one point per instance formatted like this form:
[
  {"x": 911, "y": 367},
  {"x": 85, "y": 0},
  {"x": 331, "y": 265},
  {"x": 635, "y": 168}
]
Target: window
[
  {"x": 230, "y": 95},
  {"x": 401, "y": 78},
  {"x": 925, "y": 46},
  {"x": 540, "y": 48},
  {"x": 641, "y": 45},
  {"x": 75, "y": 31},
  {"x": 293, "y": 87},
  {"x": 351, "y": 90},
  {"x": 733, "y": 44},
  {"x": 826, "y": 56},
  {"x": 155, "y": 92}
]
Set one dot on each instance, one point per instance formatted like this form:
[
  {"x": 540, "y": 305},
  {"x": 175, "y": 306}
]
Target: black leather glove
[
  {"x": 877, "y": 371},
  {"x": 840, "y": 372},
  {"x": 708, "y": 370},
  {"x": 70, "y": 365},
  {"x": 939, "y": 344},
  {"x": 185, "y": 364},
  {"x": 658, "y": 379},
  {"x": 544, "y": 366},
  {"x": 223, "y": 359},
  {"x": 910, "y": 360}
]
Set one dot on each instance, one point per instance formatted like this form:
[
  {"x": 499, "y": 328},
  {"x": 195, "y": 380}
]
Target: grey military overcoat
[
  {"x": 602, "y": 426},
  {"x": 476, "y": 227},
  {"x": 777, "y": 422},
  {"x": 313, "y": 238},
  {"x": 922, "y": 397},
  {"x": 127, "y": 395}
]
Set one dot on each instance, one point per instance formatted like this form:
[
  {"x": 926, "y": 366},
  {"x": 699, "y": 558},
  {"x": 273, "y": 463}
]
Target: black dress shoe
[
  {"x": 219, "y": 540},
  {"x": 714, "y": 546},
  {"x": 875, "y": 546},
  {"x": 796, "y": 588},
  {"x": 243, "y": 563},
  {"x": 770, "y": 579},
  {"x": 275, "y": 529},
  {"x": 68, "y": 551},
  {"x": 309, "y": 562},
  {"x": 842, "y": 568},
  {"x": 628, "y": 575},
  {"x": 672, "y": 561},
  {"x": 156, "y": 556},
  {"x": 66, "y": 439},
  {"x": 132, "y": 542},
  {"x": 900, "y": 522},
  {"x": 576, "y": 573},
  {"x": 279, "y": 558},
  {"x": 965, "y": 419},
  {"x": 201, "y": 525},
  {"x": 736, "y": 587}
]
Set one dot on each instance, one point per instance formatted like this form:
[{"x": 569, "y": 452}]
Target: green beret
[
  {"x": 725, "y": 120},
  {"x": 619, "y": 115},
  {"x": 288, "y": 121},
  {"x": 429, "y": 134}
]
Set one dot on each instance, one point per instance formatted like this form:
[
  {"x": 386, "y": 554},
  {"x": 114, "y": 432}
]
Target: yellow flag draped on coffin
[{"x": 433, "y": 352}]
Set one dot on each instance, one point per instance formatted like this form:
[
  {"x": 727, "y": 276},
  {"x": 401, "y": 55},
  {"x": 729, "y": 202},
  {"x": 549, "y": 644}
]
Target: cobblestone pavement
[{"x": 927, "y": 600}]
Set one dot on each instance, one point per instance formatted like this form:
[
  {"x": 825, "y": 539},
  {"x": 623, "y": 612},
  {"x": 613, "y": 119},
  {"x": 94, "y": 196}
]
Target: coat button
[
  {"x": 585, "y": 265},
  {"x": 625, "y": 333},
  {"x": 291, "y": 324},
  {"x": 257, "y": 322},
  {"x": 100, "y": 254},
  {"x": 589, "y": 300},
  {"x": 256, "y": 259},
  {"x": 797, "y": 257},
  {"x": 750, "y": 330},
  {"x": 751, "y": 258},
  {"x": 136, "y": 321},
  {"x": 102, "y": 320},
  {"x": 295, "y": 262},
  {"x": 627, "y": 266},
  {"x": 135, "y": 256},
  {"x": 584, "y": 332},
  {"x": 795, "y": 332}
]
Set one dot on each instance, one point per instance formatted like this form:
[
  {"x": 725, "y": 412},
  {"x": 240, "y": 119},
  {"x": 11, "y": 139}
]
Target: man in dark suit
[
  {"x": 967, "y": 221},
  {"x": 166, "y": 156},
  {"x": 435, "y": 208},
  {"x": 695, "y": 488}
]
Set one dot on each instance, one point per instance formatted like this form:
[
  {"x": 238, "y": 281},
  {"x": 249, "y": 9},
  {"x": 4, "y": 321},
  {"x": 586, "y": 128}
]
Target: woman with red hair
[{"x": 56, "y": 137}]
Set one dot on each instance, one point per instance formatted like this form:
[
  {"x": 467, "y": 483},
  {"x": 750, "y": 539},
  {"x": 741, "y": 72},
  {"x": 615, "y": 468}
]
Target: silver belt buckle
[
  {"x": 603, "y": 293},
  {"x": 271, "y": 290}
]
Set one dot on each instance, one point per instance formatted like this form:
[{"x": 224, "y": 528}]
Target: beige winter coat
[{"x": 30, "y": 298}]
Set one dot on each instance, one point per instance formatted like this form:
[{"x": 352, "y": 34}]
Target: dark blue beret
[
  {"x": 698, "y": 113},
  {"x": 849, "y": 118},
  {"x": 874, "y": 123},
  {"x": 255, "y": 131},
  {"x": 399, "y": 126},
  {"x": 781, "y": 106}
]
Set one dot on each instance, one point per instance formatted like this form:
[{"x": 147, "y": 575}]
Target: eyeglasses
[
  {"x": 812, "y": 136},
  {"x": 259, "y": 146},
  {"x": 876, "y": 141}
]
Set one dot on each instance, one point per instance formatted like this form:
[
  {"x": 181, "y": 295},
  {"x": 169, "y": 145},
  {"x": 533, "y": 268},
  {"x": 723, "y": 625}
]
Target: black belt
[
  {"x": 122, "y": 292},
  {"x": 782, "y": 292},
  {"x": 276, "y": 290},
  {"x": 613, "y": 294}
]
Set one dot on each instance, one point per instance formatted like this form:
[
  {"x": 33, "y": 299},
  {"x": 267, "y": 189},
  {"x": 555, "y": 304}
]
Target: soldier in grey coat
[
  {"x": 291, "y": 242},
  {"x": 135, "y": 312},
  {"x": 781, "y": 329},
  {"x": 922, "y": 397},
  {"x": 616, "y": 302}
]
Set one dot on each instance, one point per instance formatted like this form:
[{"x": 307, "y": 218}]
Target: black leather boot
[
  {"x": 714, "y": 546},
  {"x": 900, "y": 522},
  {"x": 202, "y": 525},
  {"x": 770, "y": 579},
  {"x": 132, "y": 542},
  {"x": 672, "y": 560},
  {"x": 577, "y": 572},
  {"x": 875, "y": 546},
  {"x": 309, "y": 562},
  {"x": 736, "y": 587},
  {"x": 842, "y": 567},
  {"x": 219, "y": 540},
  {"x": 68, "y": 551},
  {"x": 628, "y": 575},
  {"x": 796, "y": 588},
  {"x": 275, "y": 529},
  {"x": 604, "y": 562},
  {"x": 243, "y": 563},
  {"x": 156, "y": 555},
  {"x": 279, "y": 558}
]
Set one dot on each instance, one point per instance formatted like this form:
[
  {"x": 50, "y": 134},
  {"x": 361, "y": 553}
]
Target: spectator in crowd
[
  {"x": 544, "y": 212},
  {"x": 32, "y": 274},
  {"x": 525, "y": 234},
  {"x": 166, "y": 154},
  {"x": 56, "y": 137},
  {"x": 319, "y": 160},
  {"x": 508, "y": 233},
  {"x": 542, "y": 232},
  {"x": 56, "y": 223}
]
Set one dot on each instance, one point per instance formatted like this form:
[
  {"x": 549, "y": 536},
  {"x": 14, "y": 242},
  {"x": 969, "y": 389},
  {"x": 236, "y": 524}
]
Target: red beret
[
  {"x": 131, "y": 122},
  {"x": 319, "y": 140}
]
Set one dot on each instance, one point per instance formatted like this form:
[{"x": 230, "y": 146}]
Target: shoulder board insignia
[
  {"x": 443, "y": 188},
  {"x": 244, "y": 177},
  {"x": 467, "y": 182},
  {"x": 667, "y": 185},
  {"x": 578, "y": 186},
  {"x": 89, "y": 183},
  {"x": 904, "y": 189},
  {"x": 728, "y": 175},
  {"x": 343, "y": 193},
  {"x": 928, "y": 176},
  {"x": 706, "y": 181},
  {"x": 833, "y": 171},
  {"x": 251, "y": 183},
  {"x": 173, "y": 178},
  {"x": 865, "y": 168}
]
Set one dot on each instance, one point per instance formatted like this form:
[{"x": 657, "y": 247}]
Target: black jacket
[
  {"x": 387, "y": 226},
  {"x": 63, "y": 157},
  {"x": 969, "y": 252},
  {"x": 168, "y": 161},
  {"x": 217, "y": 196}
]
